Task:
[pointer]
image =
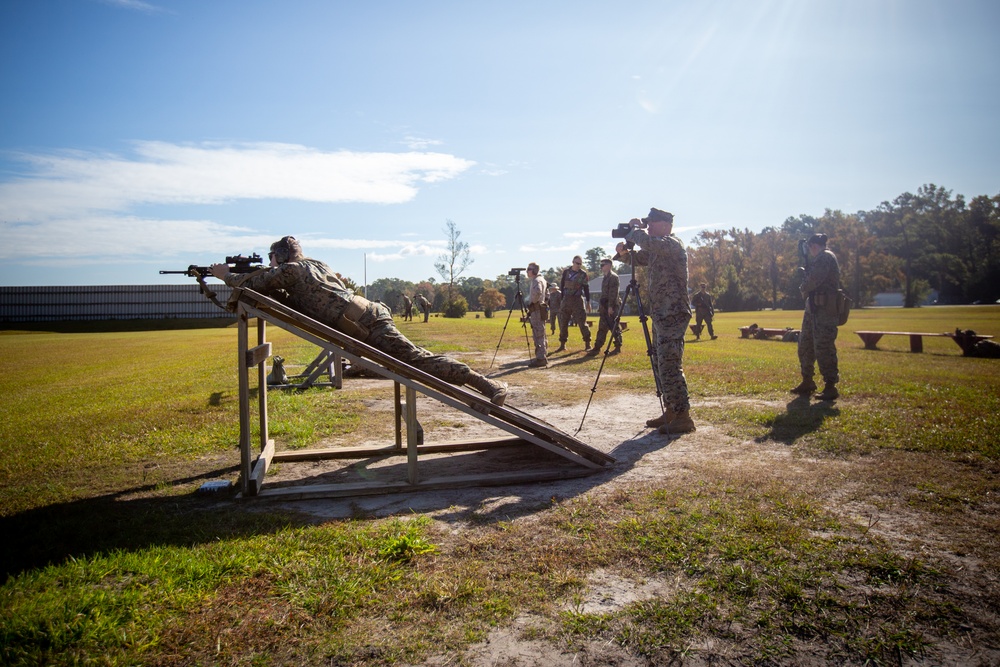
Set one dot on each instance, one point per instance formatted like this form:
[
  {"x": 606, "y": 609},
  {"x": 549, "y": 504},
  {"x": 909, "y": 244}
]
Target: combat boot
[
  {"x": 667, "y": 417},
  {"x": 807, "y": 386},
  {"x": 493, "y": 390},
  {"x": 562, "y": 347},
  {"x": 681, "y": 423},
  {"x": 829, "y": 392},
  {"x": 538, "y": 363},
  {"x": 594, "y": 352},
  {"x": 616, "y": 349},
  {"x": 586, "y": 345}
]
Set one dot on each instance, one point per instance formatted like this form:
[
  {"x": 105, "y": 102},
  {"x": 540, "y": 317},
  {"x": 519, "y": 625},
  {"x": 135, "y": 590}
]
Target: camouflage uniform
[
  {"x": 536, "y": 316},
  {"x": 575, "y": 288},
  {"x": 818, "y": 339},
  {"x": 702, "y": 302},
  {"x": 610, "y": 299},
  {"x": 555, "y": 301},
  {"x": 407, "y": 309},
  {"x": 310, "y": 287},
  {"x": 425, "y": 306},
  {"x": 668, "y": 291}
]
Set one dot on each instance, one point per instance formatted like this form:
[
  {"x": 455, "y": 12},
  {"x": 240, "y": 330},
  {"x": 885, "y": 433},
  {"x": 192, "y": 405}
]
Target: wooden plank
[
  {"x": 349, "y": 489},
  {"x": 259, "y": 354},
  {"x": 244, "y": 391},
  {"x": 392, "y": 450},
  {"x": 260, "y": 469}
]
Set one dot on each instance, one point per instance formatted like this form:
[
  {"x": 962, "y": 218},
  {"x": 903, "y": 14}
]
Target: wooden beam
[
  {"x": 392, "y": 450},
  {"x": 259, "y": 354},
  {"x": 260, "y": 469}
]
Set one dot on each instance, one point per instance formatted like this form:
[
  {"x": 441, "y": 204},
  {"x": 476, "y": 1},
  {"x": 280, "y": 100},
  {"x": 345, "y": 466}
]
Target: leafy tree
[
  {"x": 592, "y": 259},
  {"x": 457, "y": 307},
  {"x": 490, "y": 300}
]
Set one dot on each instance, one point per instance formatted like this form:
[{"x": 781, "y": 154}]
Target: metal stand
[{"x": 519, "y": 302}]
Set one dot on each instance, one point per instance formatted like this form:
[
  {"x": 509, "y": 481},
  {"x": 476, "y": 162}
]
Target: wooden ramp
[{"x": 572, "y": 458}]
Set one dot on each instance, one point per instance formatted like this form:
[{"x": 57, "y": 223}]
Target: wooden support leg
[
  {"x": 870, "y": 340},
  {"x": 244, "y": 380},
  {"x": 916, "y": 343},
  {"x": 411, "y": 435}
]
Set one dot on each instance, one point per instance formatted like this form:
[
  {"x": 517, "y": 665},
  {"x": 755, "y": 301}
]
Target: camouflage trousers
[
  {"x": 553, "y": 317},
  {"x": 573, "y": 307},
  {"x": 704, "y": 315},
  {"x": 604, "y": 327},
  {"x": 538, "y": 334},
  {"x": 818, "y": 346},
  {"x": 668, "y": 338},
  {"x": 386, "y": 337}
]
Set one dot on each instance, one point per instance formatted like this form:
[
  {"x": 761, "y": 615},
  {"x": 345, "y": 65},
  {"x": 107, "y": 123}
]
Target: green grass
[{"x": 110, "y": 558}]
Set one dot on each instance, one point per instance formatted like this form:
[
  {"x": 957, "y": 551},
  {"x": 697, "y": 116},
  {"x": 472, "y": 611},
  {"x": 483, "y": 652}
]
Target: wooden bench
[
  {"x": 764, "y": 332},
  {"x": 871, "y": 338}
]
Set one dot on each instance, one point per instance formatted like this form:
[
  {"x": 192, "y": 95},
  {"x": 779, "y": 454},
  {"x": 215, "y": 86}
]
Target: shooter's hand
[{"x": 220, "y": 271}]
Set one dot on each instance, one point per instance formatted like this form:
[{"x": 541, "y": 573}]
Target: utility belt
[{"x": 349, "y": 320}]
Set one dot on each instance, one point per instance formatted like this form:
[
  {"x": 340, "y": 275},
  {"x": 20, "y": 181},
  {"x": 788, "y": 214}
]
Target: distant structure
[{"x": 109, "y": 302}]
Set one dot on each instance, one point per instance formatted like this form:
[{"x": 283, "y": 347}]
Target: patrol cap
[
  {"x": 656, "y": 214},
  {"x": 818, "y": 239},
  {"x": 553, "y": 288}
]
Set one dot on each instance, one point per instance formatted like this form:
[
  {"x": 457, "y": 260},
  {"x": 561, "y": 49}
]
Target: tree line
[{"x": 915, "y": 244}]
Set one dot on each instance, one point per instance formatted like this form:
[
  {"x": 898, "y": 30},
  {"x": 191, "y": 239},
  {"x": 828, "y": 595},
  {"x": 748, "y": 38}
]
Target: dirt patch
[{"x": 876, "y": 493}]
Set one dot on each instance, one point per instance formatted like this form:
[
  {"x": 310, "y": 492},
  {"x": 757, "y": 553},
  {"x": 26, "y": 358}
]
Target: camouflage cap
[
  {"x": 656, "y": 214},
  {"x": 818, "y": 239}
]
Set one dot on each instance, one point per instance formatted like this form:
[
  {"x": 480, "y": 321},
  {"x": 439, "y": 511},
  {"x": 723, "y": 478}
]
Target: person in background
[
  {"x": 704, "y": 310},
  {"x": 555, "y": 300},
  {"x": 575, "y": 288},
  {"x": 537, "y": 315},
  {"x": 609, "y": 303}
]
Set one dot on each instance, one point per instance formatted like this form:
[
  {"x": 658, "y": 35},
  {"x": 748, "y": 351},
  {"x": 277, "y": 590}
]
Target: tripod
[
  {"x": 519, "y": 302},
  {"x": 633, "y": 288}
]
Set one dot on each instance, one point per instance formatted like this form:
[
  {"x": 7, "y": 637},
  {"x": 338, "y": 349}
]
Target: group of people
[
  {"x": 311, "y": 287},
  {"x": 422, "y": 303}
]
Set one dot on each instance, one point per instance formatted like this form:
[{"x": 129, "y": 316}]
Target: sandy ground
[{"x": 615, "y": 425}]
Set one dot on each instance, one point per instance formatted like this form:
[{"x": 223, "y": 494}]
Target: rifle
[{"x": 237, "y": 264}]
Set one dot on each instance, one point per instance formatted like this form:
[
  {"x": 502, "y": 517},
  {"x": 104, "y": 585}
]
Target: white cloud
[
  {"x": 136, "y": 5},
  {"x": 76, "y": 203}
]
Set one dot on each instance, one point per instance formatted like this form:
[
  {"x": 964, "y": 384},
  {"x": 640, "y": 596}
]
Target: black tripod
[
  {"x": 519, "y": 302},
  {"x": 633, "y": 288}
]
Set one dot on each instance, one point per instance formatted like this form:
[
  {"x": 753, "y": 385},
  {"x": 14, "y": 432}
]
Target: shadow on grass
[
  {"x": 119, "y": 521},
  {"x": 802, "y": 416}
]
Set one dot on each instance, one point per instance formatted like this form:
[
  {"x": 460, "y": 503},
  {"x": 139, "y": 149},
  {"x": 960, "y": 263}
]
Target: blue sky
[{"x": 141, "y": 135}]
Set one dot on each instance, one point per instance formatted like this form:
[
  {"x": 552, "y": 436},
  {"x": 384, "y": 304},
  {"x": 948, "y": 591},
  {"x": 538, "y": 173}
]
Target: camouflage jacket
[
  {"x": 575, "y": 283},
  {"x": 610, "y": 290},
  {"x": 536, "y": 291},
  {"x": 668, "y": 277},
  {"x": 822, "y": 276},
  {"x": 308, "y": 286},
  {"x": 702, "y": 302}
]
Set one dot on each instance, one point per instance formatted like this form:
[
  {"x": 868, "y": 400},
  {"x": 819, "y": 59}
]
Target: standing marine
[
  {"x": 575, "y": 288},
  {"x": 424, "y": 305},
  {"x": 818, "y": 336},
  {"x": 704, "y": 310},
  {"x": 666, "y": 258},
  {"x": 555, "y": 301},
  {"x": 537, "y": 314},
  {"x": 609, "y": 303}
]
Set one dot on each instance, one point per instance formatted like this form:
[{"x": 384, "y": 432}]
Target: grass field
[{"x": 110, "y": 558}]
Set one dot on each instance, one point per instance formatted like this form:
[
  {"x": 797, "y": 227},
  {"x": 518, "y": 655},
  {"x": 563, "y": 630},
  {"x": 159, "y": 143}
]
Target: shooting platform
[{"x": 573, "y": 458}]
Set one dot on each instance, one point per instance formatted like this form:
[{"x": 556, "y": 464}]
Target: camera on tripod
[{"x": 515, "y": 272}]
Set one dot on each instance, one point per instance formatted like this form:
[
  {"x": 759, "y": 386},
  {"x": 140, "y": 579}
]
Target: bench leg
[
  {"x": 916, "y": 343},
  {"x": 870, "y": 340}
]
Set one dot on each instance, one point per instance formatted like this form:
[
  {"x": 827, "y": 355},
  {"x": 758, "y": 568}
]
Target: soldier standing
[
  {"x": 703, "y": 310},
  {"x": 407, "y": 309},
  {"x": 666, "y": 258},
  {"x": 537, "y": 315},
  {"x": 608, "y": 307},
  {"x": 555, "y": 301},
  {"x": 818, "y": 338},
  {"x": 312, "y": 288},
  {"x": 575, "y": 290},
  {"x": 424, "y": 305}
]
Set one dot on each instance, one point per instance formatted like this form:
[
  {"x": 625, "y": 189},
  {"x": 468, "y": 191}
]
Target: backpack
[{"x": 844, "y": 303}]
